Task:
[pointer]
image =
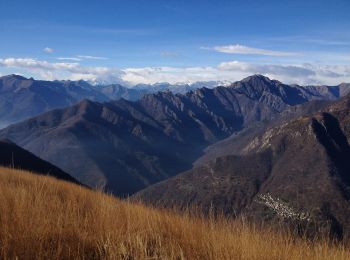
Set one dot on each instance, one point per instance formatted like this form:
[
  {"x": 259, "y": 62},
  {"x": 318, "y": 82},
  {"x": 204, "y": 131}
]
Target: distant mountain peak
[
  {"x": 256, "y": 76},
  {"x": 260, "y": 79},
  {"x": 14, "y": 76}
]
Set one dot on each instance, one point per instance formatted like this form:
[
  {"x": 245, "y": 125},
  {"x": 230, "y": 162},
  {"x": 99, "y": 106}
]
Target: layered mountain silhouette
[
  {"x": 15, "y": 157},
  {"x": 297, "y": 172},
  {"x": 22, "y": 98},
  {"x": 126, "y": 146}
]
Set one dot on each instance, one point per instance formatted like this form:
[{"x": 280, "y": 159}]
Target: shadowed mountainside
[
  {"x": 297, "y": 172},
  {"x": 15, "y": 157},
  {"x": 22, "y": 98},
  {"x": 125, "y": 146},
  {"x": 236, "y": 142}
]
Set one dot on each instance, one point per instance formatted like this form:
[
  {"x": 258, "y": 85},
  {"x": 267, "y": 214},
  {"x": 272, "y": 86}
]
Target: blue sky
[{"x": 307, "y": 42}]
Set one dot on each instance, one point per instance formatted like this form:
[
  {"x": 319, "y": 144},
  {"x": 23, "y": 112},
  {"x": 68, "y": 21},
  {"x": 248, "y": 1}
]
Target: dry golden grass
[{"x": 42, "y": 218}]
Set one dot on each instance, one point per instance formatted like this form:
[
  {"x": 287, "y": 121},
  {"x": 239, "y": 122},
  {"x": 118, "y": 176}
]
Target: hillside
[
  {"x": 22, "y": 98},
  {"x": 296, "y": 172},
  {"x": 44, "y": 218},
  {"x": 15, "y": 157},
  {"x": 126, "y": 146},
  {"x": 234, "y": 144}
]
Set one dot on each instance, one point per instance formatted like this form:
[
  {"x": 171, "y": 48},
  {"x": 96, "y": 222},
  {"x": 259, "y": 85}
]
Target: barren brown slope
[
  {"x": 43, "y": 218},
  {"x": 297, "y": 172}
]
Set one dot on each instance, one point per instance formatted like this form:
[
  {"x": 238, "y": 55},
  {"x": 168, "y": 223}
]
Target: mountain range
[
  {"x": 296, "y": 172},
  {"x": 22, "y": 98},
  {"x": 125, "y": 146}
]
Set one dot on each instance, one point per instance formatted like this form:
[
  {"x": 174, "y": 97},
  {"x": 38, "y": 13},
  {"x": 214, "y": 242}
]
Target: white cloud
[
  {"x": 303, "y": 74},
  {"x": 296, "y": 71},
  {"x": 241, "y": 49},
  {"x": 69, "y": 58},
  {"x": 81, "y": 57},
  {"x": 63, "y": 70},
  {"x": 88, "y": 57},
  {"x": 48, "y": 50},
  {"x": 170, "y": 74}
]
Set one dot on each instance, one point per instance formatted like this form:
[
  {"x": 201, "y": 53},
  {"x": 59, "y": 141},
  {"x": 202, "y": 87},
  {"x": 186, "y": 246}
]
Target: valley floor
[{"x": 43, "y": 218}]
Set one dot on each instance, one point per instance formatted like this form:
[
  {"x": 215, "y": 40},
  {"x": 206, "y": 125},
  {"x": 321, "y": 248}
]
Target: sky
[{"x": 149, "y": 41}]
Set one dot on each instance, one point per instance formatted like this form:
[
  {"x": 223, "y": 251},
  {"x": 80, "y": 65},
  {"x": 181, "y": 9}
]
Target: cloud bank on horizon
[{"x": 303, "y": 74}]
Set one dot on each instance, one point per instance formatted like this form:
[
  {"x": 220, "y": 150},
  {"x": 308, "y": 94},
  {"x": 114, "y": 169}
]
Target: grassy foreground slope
[{"x": 44, "y": 218}]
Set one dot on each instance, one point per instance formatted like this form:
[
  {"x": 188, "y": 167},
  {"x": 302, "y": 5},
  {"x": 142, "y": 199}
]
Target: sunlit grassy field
[{"x": 43, "y": 218}]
